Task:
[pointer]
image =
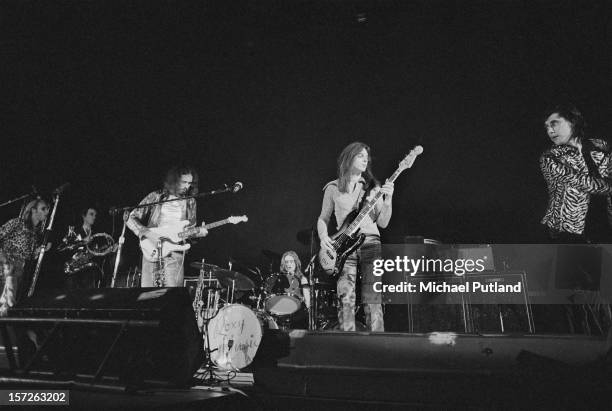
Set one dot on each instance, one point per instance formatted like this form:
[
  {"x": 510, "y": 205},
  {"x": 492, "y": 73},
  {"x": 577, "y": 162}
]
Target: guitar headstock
[
  {"x": 409, "y": 159},
  {"x": 239, "y": 219}
]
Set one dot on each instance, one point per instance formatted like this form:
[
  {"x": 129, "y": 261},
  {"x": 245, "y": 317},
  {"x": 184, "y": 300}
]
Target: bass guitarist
[
  {"x": 340, "y": 198},
  {"x": 180, "y": 181}
]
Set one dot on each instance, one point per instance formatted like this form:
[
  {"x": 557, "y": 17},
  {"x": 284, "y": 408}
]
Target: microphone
[
  {"x": 236, "y": 187},
  {"x": 418, "y": 150},
  {"x": 61, "y": 189}
]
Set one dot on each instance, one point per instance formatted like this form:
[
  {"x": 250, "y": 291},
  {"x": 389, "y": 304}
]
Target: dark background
[{"x": 107, "y": 95}]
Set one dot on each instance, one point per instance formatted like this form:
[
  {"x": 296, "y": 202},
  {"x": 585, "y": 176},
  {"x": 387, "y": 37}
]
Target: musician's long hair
[
  {"x": 26, "y": 215},
  {"x": 173, "y": 177},
  {"x": 298, "y": 264},
  {"x": 345, "y": 161}
]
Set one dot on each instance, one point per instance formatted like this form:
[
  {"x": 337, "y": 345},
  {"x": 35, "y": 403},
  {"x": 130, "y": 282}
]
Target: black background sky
[{"x": 108, "y": 94}]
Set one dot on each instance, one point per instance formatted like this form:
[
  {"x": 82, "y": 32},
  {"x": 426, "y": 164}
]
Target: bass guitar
[
  {"x": 347, "y": 239},
  {"x": 172, "y": 238}
]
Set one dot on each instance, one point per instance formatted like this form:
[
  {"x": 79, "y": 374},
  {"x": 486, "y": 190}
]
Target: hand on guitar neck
[
  {"x": 195, "y": 231},
  {"x": 190, "y": 232},
  {"x": 386, "y": 190}
]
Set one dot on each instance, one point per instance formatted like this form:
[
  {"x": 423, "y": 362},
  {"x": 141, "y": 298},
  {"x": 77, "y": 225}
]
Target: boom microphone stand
[
  {"x": 233, "y": 189},
  {"x": 119, "y": 248},
  {"x": 312, "y": 310},
  {"x": 58, "y": 191},
  {"x": 23, "y": 197}
]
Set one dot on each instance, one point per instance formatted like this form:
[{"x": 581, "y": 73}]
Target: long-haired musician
[
  {"x": 292, "y": 280},
  {"x": 341, "y": 196},
  {"x": 180, "y": 181},
  {"x": 19, "y": 242}
]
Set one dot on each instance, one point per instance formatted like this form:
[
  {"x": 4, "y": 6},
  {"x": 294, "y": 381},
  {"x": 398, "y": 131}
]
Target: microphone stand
[
  {"x": 226, "y": 189},
  {"x": 14, "y": 200},
  {"x": 119, "y": 249},
  {"x": 312, "y": 310},
  {"x": 41, "y": 254}
]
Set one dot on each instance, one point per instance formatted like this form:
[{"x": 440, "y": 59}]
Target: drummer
[{"x": 291, "y": 279}]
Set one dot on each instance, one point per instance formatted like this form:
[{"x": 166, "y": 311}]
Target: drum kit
[
  {"x": 233, "y": 310},
  {"x": 232, "y": 331}
]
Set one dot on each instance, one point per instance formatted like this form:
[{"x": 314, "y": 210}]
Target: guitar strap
[{"x": 365, "y": 192}]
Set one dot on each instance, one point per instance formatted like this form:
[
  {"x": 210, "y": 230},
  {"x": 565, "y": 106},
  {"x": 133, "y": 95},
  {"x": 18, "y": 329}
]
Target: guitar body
[
  {"x": 332, "y": 261},
  {"x": 170, "y": 241}
]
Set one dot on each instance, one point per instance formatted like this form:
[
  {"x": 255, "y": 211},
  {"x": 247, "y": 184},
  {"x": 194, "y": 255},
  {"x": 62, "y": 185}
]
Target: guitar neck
[
  {"x": 217, "y": 224},
  {"x": 194, "y": 231},
  {"x": 370, "y": 204}
]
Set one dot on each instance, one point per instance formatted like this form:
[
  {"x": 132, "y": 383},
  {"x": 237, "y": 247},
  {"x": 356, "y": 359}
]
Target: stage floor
[{"x": 389, "y": 371}]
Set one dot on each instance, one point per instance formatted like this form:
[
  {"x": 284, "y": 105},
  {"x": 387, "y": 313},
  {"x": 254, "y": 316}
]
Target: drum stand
[
  {"x": 212, "y": 299},
  {"x": 210, "y": 378}
]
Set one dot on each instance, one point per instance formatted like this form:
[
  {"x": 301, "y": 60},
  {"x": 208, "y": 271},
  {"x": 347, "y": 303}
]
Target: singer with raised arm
[
  {"x": 356, "y": 182},
  {"x": 20, "y": 241},
  {"x": 166, "y": 270},
  {"x": 578, "y": 172}
]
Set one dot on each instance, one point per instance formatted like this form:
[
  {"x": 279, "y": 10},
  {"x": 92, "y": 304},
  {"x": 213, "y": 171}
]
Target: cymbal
[
  {"x": 199, "y": 266},
  {"x": 244, "y": 265},
  {"x": 272, "y": 255},
  {"x": 212, "y": 288},
  {"x": 227, "y": 278}
]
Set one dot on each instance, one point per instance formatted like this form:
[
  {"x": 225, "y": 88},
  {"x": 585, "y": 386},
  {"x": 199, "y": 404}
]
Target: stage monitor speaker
[
  {"x": 386, "y": 371},
  {"x": 466, "y": 312},
  {"x": 129, "y": 336},
  {"x": 505, "y": 312}
]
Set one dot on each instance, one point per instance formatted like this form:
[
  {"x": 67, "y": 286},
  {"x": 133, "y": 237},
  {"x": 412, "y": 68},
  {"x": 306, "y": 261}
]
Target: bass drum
[{"x": 234, "y": 335}]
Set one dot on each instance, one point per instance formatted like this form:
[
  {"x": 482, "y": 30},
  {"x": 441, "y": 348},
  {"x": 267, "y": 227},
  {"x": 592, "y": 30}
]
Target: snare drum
[
  {"x": 282, "y": 304},
  {"x": 234, "y": 335}
]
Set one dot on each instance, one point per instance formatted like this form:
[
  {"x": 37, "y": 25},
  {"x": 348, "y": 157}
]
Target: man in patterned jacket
[
  {"x": 180, "y": 182},
  {"x": 19, "y": 242},
  {"x": 575, "y": 169}
]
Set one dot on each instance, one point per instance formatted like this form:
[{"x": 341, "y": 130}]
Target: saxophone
[{"x": 160, "y": 274}]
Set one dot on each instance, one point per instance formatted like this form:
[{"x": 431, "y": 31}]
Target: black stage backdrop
[{"x": 108, "y": 94}]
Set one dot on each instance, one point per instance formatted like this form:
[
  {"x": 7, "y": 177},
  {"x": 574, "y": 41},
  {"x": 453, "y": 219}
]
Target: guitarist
[
  {"x": 340, "y": 198},
  {"x": 180, "y": 181}
]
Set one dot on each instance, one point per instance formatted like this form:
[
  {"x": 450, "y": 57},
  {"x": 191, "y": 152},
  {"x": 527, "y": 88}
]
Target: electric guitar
[
  {"x": 348, "y": 238},
  {"x": 173, "y": 237}
]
